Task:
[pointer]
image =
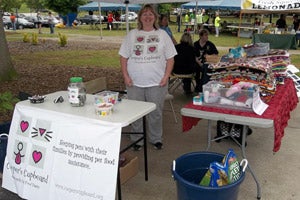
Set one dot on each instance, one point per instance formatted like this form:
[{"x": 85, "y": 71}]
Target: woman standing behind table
[
  {"x": 203, "y": 49},
  {"x": 164, "y": 24},
  {"x": 147, "y": 59},
  {"x": 185, "y": 60}
]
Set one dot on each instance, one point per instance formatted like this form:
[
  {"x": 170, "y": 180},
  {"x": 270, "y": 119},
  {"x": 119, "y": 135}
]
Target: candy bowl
[
  {"x": 37, "y": 99},
  {"x": 104, "y": 109}
]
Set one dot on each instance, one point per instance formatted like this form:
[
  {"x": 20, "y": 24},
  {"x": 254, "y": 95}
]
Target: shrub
[
  {"x": 7, "y": 102},
  {"x": 26, "y": 37},
  {"x": 62, "y": 39},
  {"x": 34, "y": 39}
]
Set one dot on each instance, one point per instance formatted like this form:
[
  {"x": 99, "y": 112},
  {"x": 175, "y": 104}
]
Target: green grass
[
  {"x": 93, "y": 58},
  {"x": 84, "y": 58}
]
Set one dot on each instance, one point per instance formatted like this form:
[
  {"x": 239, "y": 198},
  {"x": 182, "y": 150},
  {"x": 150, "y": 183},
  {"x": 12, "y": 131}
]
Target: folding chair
[
  {"x": 96, "y": 85},
  {"x": 170, "y": 97},
  {"x": 176, "y": 80}
]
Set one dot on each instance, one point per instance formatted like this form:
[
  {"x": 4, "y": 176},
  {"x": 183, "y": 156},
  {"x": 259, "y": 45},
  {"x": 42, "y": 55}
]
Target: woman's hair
[
  {"x": 186, "y": 38},
  {"x": 203, "y": 32},
  {"x": 147, "y": 7}
]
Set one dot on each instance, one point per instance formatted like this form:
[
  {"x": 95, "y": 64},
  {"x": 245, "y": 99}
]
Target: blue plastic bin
[
  {"x": 188, "y": 171},
  {"x": 4, "y": 131}
]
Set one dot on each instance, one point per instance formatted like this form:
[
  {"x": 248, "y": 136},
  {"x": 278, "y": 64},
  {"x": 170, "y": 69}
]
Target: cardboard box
[{"x": 129, "y": 168}]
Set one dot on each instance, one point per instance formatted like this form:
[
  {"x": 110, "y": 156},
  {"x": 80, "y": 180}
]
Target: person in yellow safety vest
[
  {"x": 217, "y": 23},
  {"x": 199, "y": 19},
  {"x": 186, "y": 20}
]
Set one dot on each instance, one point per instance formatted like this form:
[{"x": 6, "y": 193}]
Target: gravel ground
[{"x": 44, "y": 78}]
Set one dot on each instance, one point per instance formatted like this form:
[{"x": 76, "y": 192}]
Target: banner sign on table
[
  {"x": 55, "y": 156},
  {"x": 270, "y": 5}
]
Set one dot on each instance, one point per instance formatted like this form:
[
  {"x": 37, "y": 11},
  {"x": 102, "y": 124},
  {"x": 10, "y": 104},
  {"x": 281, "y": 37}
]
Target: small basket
[
  {"x": 37, "y": 99},
  {"x": 104, "y": 109}
]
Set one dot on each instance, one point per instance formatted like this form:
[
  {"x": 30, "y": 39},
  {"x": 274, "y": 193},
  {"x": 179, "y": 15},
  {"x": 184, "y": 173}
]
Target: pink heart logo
[
  {"x": 37, "y": 156},
  {"x": 152, "y": 49},
  {"x": 140, "y": 39},
  {"x": 24, "y": 126}
]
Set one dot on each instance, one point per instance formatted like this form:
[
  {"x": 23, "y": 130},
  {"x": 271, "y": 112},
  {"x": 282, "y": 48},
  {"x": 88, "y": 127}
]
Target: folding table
[
  {"x": 277, "y": 116},
  {"x": 50, "y": 113}
]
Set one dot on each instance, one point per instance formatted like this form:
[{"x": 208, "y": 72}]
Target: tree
[
  {"x": 64, "y": 7},
  {"x": 9, "y": 5},
  {"x": 7, "y": 70},
  {"x": 34, "y": 4}
]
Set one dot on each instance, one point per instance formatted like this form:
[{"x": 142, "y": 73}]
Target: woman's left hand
[{"x": 163, "y": 81}]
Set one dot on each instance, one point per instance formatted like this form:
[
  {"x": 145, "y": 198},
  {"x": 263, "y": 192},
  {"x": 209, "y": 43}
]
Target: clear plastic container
[{"x": 76, "y": 92}]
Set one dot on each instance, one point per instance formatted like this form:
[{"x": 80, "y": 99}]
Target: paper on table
[
  {"x": 258, "y": 105},
  {"x": 293, "y": 69}
]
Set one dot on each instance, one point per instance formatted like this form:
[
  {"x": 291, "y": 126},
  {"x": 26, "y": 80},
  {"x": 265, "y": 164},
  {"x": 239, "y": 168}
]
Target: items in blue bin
[{"x": 220, "y": 174}]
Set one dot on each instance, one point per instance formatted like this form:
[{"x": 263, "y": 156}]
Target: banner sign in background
[
  {"x": 53, "y": 156},
  {"x": 271, "y": 5}
]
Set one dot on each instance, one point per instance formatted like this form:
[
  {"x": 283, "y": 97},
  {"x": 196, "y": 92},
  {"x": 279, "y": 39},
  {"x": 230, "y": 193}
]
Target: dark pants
[
  {"x": 201, "y": 77},
  {"x": 51, "y": 26}
]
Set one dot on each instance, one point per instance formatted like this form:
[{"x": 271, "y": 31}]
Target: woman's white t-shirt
[{"x": 147, "y": 53}]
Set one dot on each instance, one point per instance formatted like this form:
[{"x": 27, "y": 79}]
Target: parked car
[
  {"x": 90, "y": 19},
  {"x": 21, "y": 23},
  {"x": 55, "y": 21},
  {"x": 131, "y": 16},
  {"x": 6, "y": 20}
]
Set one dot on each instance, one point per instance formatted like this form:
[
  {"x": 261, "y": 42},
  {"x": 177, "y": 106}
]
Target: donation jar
[{"x": 77, "y": 92}]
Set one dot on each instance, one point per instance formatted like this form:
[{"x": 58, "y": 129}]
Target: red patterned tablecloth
[{"x": 280, "y": 106}]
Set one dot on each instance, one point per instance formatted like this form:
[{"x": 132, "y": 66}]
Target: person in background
[
  {"x": 51, "y": 22},
  {"x": 186, "y": 20},
  {"x": 192, "y": 18},
  {"x": 281, "y": 22},
  {"x": 199, "y": 19},
  {"x": 110, "y": 19},
  {"x": 205, "y": 17},
  {"x": 256, "y": 22},
  {"x": 185, "y": 60},
  {"x": 203, "y": 48},
  {"x": 13, "y": 21},
  {"x": 296, "y": 27},
  {"x": 39, "y": 22},
  {"x": 178, "y": 21},
  {"x": 217, "y": 23},
  {"x": 164, "y": 24},
  {"x": 147, "y": 59},
  {"x": 117, "y": 19},
  {"x": 296, "y": 22}
]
